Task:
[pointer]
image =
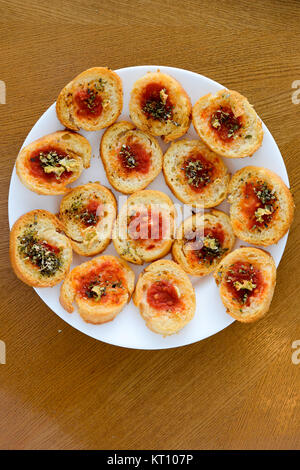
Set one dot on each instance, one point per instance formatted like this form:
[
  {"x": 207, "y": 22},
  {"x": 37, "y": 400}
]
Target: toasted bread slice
[
  {"x": 196, "y": 175},
  {"x": 228, "y": 124},
  {"x": 202, "y": 240},
  {"x": 131, "y": 158},
  {"x": 87, "y": 214},
  {"x": 49, "y": 164},
  {"x": 262, "y": 206},
  {"x": 39, "y": 253},
  {"x": 160, "y": 106},
  {"x": 165, "y": 297},
  {"x": 144, "y": 229},
  {"x": 91, "y": 101},
  {"x": 100, "y": 287},
  {"x": 246, "y": 278}
]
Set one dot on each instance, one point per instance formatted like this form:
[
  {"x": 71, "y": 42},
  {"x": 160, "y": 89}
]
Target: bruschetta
[
  {"x": 165, "y": 297},
  {"x": 40, "y": 254},
  {"x": 144, "y": 229},
  {"x": 159, "y": 105},
  {"x": 262, "y": 206},
  {"x": 196, "y": 175},
  {"x": 91, "y": 101},
  {"x": 228, "y": 124},
  {"x": 87, "y": 214},
  {"x": 202, "y": 241},
  {"x": 100, "y": 287},
  {"x": 131, "y": 158},
  {"x": 49, "y": 164},
  {"x": 246, "y": 278}
]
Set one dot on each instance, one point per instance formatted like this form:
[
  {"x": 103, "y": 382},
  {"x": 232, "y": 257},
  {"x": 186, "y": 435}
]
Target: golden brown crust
[
  {"x": 212, "y": 230},
  {"x": 245, "y": 141},
  {"x": 282, "y": 207},
  {"x": 72, "y": 144},
  {"x": 110, "y": 90},
  {"x": 47, "y": 228},
  {"x": 165, "y": 320},
  {"x": 171, "y": 127},
  {"x": 181, "y": 152},
  {"x": 259, "y": 303}
]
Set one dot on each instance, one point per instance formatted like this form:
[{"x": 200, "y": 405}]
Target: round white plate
[{"x": 128, "y": 329}]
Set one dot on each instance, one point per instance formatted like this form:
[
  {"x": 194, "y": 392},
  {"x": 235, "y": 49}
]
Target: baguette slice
[
  {"x": 165, "y": 297},
  {"x": 196, "y": 175},
  {"x": 160, "y": 106},
  {"x": 228, "y": 124},
  {"x": 262, "y": 207},
  {"x": 144, "y": 229},
  {"x": 49, "y": 164},
  {"x": 87, "y": 214},
  {"x": 131, "y": 158},
  {"x": 100, "y": 287},
  {"x": 91, "y": 101},
  {"x": 39, "y": 253},
  {"x": 246, "y": 278},
  {"x": 202, "y": 240}
]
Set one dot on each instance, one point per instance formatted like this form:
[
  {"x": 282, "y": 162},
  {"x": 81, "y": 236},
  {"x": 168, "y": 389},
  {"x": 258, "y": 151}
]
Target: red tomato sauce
[
  {"x": 229, "y": 125},
  {"x": 151, "y": 93},
  {"x": 251, "y": 203},
  {"x": 162, "y": 295},
  {"x": 89, "y": 103},
  {"x": 244, "y": 271},
  {"x": 146, "y": 226},
  {"x": 198, "y": 172},
  {"x": 36, "y": 168},
  {"x": 51, "y": 248},
  {"x": 197, "y": 250},
  {"x": 92, "y": 213},
  {"x": 140, "y": 157},
  {"x": 106, "y": 275}
]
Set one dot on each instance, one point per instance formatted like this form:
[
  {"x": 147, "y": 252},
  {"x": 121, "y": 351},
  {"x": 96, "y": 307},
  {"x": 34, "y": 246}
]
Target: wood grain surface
[{"x": 61, "y": 389}]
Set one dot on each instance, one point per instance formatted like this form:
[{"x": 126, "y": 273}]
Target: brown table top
[{"x": 62, "y": 389}]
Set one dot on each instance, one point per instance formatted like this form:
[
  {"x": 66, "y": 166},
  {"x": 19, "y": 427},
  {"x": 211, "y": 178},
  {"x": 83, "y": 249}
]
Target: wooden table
[{"x": 61, "y": 389}]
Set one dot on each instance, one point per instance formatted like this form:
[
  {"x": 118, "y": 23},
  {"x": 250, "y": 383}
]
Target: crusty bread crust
[
  {"x": 182, "y": 249},
  {"x": 93, "y": 238},
  {"x": 123, "y": 134},
  {"x": 165, "y": 321},
  {"x": 247, "y": 140},
  {"x": 173, "y": 168},
  {"x": 48, "y": 229},
  {"x": 92, "y": 311},
  {"x": 74, "y": 145},
  {"x": 259, "y": 303},
  {"x": 168, "y": 129},
  {"x": 139, "y": 251},
  {"x": 111, "y": 93},
  {"x": 280, "y": 221}
]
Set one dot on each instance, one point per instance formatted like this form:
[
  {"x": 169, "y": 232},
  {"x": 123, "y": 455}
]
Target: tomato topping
[
  {"x": 134, "y": 157},
  {"x": 208, "y": 246},
  {"x": 91, "y": 214},
  {"x": 51, "y": 248},
  {"x": 155, "y": 102},
  {"x": 162, "y": 295},
  {"x": 198, "y": 171},
  {"x": 146, "y": 225},
  {"x": 244, "y": 281},
  {"x": 38, "y": 161},
  {"x": 258, "y": 204},
  {"x": 224, "y": 124},
  {"x": 89, "y": 103}
]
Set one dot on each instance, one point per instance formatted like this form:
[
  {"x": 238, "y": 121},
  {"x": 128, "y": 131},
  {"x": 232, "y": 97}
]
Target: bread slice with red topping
[
  {"x": 49, "y": 164},
  {"x": 159, "y": 105},
  {"x": 202, "y": 241},
  {"x": 262, "y": 206},
  {"x": 246, "y": 278},
  {"x": 131, "y": 158},
  {"x": 91, "y": 101},
  {"x": 228, "y": 124},
  {"x": 40, "y": 254},
  {"x": 196, "y": 175},
  {"x": 87, "y": 214},
  {"x": 100, "y": 287},
  {"x": 165, "y": 297},
  {"x": 144, "y": 229}
]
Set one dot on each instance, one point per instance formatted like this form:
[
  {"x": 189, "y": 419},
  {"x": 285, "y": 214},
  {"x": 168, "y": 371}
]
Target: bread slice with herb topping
[
  {"x": 246, "y": 278},
  {"x": 87, "y": 214},
  {"x": 262, "y": 206},
  {"x": 40, "y": 254},
  {"x": 131, "y": 158},
  {"x": 91, "y": 101},
  {"x": 49, "y": 164},
  {"x": 100, "y": 287},
  {"x": 159, "y": 105},
  {"x": 228, "y": 124}
]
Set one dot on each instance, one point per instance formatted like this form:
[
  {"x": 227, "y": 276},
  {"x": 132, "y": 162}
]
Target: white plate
[{"x": 128, "y": 329}]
